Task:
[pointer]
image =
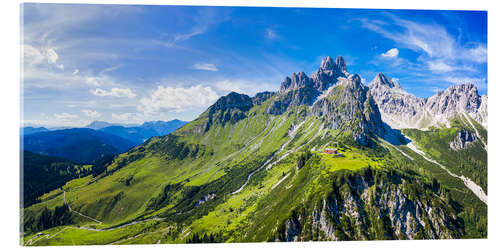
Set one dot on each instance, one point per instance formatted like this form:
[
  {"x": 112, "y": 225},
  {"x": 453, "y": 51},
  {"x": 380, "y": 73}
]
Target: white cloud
[
  {"x": 178, "y": 99},
  {"x": 60, "y": 66},
  {"x": 75, "y": 72},
  {"x": 51, "y": 55},
  {"x": 125, "y": 117},
  {"x": 91, "y": 113},
  {"x": 91, "y": 81},
  {"x": 461, "y": 80},
  {"x": 205, "y": 66},
  {"x": 32, "y": 55},
  {"x": 271, "y": 34},
  {"x": 394, "y": 52},
  {"x": 432, "y": 40},
  {"x": 438, "y": 66},
  {"x": 37, "y": 56},
  {"x": 115, "y": 92},
  {"x": 65, "y": 116},
  {"x": 480, "y": 82},
  {"x": 478, "y": 54}
]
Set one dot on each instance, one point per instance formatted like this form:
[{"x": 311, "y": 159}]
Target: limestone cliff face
[
  {"x": 400, "y": 109},
  {"x": 462, "y": 140},
  {"x": 349, "y": 106},
  {"x": 364, "y": 208},
  {"x": 334, "y": 95}
]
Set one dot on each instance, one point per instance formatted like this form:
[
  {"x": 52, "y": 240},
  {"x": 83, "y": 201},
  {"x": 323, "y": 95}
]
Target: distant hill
[
  {"x": 31, "y": 130},
  {"x": 45, "y": 173},
  {"x": 80, "y": 145},
  {"x": 101, "y": 124},
  {"x": 162, "y": 127},
  {"x": 137, "y": 135},
  {"x": 147, "y": 130}
]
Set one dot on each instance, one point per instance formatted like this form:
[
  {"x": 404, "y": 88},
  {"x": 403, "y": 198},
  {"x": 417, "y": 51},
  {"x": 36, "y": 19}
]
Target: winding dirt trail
[{"x": 85, "y": 216}]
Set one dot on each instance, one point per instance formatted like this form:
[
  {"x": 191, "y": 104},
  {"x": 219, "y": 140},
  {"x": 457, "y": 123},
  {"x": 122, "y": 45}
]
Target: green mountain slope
[{"x": 243, "y": 171}]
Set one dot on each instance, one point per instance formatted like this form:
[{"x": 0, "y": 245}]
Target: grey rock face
[
  {"x": 294, "y": 91},
  {"x": 462, "y": 140},
  {"x": 336, "y": 96},
  {"x": 297, "y": 80},
  {"x": 400, "y": 109},
  {"x": 456, "y": 100},
  {"x": 229, "y": 108},
  {"x": 329, "y": 72},
  {"x": 261, "y": 97},
  {"x": 351, "y": 210},
  {"x": 350, "y": 106}
]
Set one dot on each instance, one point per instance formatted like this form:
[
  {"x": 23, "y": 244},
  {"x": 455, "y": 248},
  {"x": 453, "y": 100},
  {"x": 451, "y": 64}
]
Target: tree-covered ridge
[{"x": 42, "y": 174}]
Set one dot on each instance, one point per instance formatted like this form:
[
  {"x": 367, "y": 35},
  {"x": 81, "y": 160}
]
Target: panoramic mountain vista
[
  {"x": 323, "y": 158},
  {"x": 144, "y": 124}
]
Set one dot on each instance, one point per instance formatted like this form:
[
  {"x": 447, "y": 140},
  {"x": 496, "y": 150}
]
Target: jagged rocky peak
[
  {"x": 261, "y": 97},
  {"x": 297, "y": 80},
  {"x": 329, "y": 72},
  {"x": 462, "y": 140},
  {"x": 326, "y": 76},
  {"x": 400, "y": 109},
  {"x": 349, "y": 106},
  {"x": 455, "y": 100},
  {"x": 382, "y": 80},
  {"x": 340, "y": 63},
  {"x": 328, "y": 64}
]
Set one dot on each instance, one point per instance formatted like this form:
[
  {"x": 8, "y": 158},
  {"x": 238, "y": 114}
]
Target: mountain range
[
  {"x": 323, "y": 158},
  {"x": 98, "y": 139},
  {"x": 400, "y": 109}
]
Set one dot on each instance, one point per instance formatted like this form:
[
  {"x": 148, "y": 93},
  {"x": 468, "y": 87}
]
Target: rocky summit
[{"x": 400, "y": 109}]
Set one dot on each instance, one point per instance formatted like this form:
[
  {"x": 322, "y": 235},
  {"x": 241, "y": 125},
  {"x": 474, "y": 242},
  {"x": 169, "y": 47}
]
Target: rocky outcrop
[
  {"x": 457, "y": 100},
  {"x": 329, "y": 72},
  {"x": 261, "y": 97},
  {"x": 362, "y": 207},
  {"x": 297, "y": 80},
  {"x": 400, "y": 109},
  {"x": 230, "y": 108},
  {"x": 349, "y": 106},
  {"x": 462, "y": 140},
  {"x": 304, "y": 95}
]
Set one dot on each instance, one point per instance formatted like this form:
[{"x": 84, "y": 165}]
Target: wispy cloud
[
  {"x": 91, "y": 113},
  {"x": 271, "y": 34},
  {"x": 114, "y": 92},
  {"x": 205, "y": 66},
  {"x": 177, "y": 99},
  {"x": 433, "y": 40},
  {"x": 65, "y": 116}
]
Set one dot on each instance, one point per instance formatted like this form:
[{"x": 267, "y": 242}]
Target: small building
[{"x": 330, "y": 151}]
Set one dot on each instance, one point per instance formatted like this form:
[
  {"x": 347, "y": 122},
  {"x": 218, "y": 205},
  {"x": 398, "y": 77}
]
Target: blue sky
[{"x": 131, "y": 64}]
